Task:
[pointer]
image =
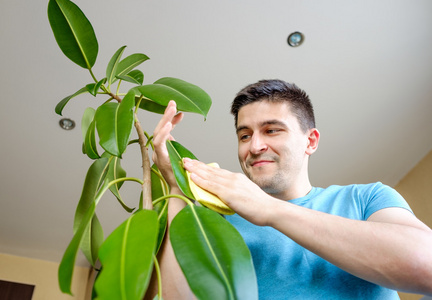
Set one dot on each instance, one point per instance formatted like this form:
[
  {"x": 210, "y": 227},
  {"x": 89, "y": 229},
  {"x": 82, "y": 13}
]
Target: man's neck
[{"x": 294, "y": 192}]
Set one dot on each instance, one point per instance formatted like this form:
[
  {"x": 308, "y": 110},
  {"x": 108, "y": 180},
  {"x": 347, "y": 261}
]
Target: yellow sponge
[{"x": 208, "y": 199}]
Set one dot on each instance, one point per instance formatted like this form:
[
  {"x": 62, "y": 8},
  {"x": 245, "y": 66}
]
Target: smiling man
[
  {"x": 268, "y": 138},
  {"x": 359, "y": 241}
]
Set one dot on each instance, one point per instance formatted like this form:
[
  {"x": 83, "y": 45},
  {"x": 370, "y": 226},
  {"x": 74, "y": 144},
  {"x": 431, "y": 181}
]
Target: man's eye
[
  {"x": 271, "y": 131},
  {"x": 244, "y": 137}
]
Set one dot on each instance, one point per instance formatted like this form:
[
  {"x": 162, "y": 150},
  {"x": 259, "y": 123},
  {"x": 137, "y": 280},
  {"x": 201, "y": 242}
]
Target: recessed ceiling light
[
  {"x": 67, "y": 124},
  {"x": 295, "y": 39}
]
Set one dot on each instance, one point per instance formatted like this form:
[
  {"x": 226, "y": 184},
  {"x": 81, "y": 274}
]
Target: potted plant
[{"x": 211, "y": 253}]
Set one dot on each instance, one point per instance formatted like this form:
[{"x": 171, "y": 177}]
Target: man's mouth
[{"x": 259, "y": 163}]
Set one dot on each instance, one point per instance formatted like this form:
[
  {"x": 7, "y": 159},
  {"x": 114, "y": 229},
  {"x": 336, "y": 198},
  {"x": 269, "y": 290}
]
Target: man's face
[{"x": 271, "y": 145}]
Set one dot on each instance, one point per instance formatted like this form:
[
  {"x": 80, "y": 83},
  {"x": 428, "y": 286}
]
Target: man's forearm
[
  {"x": 397, "y": 256},
  {"x": 174, "y": 284}
]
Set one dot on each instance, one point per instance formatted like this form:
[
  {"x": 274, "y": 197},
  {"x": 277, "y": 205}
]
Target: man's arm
[
  {"x": 174, "y": 284},
  {"x": 392, "y": 248}
]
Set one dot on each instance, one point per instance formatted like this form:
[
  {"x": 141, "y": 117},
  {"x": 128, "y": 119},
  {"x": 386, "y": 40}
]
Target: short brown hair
[{"x": 276, "y": 90}]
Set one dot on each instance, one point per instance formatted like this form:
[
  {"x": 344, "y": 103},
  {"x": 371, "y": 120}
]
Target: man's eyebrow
[
  {"x": 240, "y": 128},
  {"x": 262, "y": 124},
  {"x": 273, "y": 122}
]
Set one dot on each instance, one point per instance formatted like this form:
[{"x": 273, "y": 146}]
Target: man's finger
[{"x": 168, "y": 116}]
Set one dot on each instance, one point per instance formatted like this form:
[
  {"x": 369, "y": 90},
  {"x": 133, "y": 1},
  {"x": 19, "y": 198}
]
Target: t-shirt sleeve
[{"x": 380, "y": 196}]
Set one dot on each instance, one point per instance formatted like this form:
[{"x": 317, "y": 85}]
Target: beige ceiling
[{"x": 367, "y": 66}]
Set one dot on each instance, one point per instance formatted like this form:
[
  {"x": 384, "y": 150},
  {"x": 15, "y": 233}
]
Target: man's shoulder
[
  {"x": 357, "y": 190},
  {"x": 356, "y": 186}
]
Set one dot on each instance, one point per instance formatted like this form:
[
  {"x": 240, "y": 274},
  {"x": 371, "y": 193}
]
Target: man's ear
[{"x": 313, "y": 140}]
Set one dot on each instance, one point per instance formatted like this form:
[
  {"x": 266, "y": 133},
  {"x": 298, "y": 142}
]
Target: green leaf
[
  {"x": 129, "y": 63},
  {"x": 176, "y": 154},
  {"x": 90, "y": 147},
  {"x": 151, "y": 106},
  {"x": 93, "y": 88},
  {"x": 88, "y": 132},
  {"x": 114, "y": 124},
  {"x": 116, "y": 171},
  {"x": 156, "y": 183},
  {"x": 161, "y": 208},
  {"x": 67, "y": 264},
  {"x": 213, "y": 256},
  {"x": 99, "y": 84},
  {"x": 127, "y": 258},
  {"x": 86, "y": 120},
  {"x": 189, "y": 97},
  {"x": 92, "y": 240},
  {"x": 134, "y": 76},
  {"x": 111, "y": 70},
  {"x": 93, "y": 181},
  {"x": 59, "y": 107},
  {"x": 73, "y": 32}
]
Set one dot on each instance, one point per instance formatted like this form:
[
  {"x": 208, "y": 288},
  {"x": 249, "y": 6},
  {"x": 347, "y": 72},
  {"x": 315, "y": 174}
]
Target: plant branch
[
  {"x": 115, "y": 97},
  {"x": 146, "y": 186}
]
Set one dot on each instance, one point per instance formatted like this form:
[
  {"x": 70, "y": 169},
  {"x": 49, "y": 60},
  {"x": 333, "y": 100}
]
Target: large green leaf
[
  {"x": 129, "y": 63},
  {"x": 151, "y": 106},
  {"x": 67, "y": 264},
  {"x": 92, "y": 240},
  {"x": 93, "y": 181},
  {"x": 176, "y": 154},
  {"x": 73, "y": 32},
  {"x": 82, "y": 229},
  {"x": 59, "y": 107},
  {"x": 213, "y": 256},
  {"x": 127, "y": 258},
  {"x": 189, "y": 97},
  {"x": 111, "y": 70},
  {"x": 114, "y": 123}
]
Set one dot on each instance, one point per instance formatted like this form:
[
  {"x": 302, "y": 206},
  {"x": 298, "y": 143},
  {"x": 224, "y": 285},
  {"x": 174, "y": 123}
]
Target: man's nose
[{"x": 257, "y": 145}]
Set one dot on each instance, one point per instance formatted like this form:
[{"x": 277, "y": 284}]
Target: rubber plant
[{"x": 213, "y": 256}]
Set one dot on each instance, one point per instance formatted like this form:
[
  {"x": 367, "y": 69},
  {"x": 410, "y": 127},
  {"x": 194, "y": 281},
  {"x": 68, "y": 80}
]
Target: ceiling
[{"x": 366, "y": 65}]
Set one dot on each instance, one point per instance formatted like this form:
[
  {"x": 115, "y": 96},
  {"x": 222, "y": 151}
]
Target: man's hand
[
  {"x": 161, "y": 134},
  {"x": 235, "y": 189}
]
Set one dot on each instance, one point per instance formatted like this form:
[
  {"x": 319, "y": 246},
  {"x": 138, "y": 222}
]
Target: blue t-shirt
[{"x": 286, "y": 270}]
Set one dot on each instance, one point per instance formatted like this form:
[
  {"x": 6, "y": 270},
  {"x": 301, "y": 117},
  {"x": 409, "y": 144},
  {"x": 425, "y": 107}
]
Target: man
[{"x": 342, "y": 242}]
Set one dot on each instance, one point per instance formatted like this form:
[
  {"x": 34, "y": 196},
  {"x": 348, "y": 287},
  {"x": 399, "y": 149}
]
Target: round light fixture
[
  {"x": 67, "y": 124},
  {"x": 295, "y": 39}
]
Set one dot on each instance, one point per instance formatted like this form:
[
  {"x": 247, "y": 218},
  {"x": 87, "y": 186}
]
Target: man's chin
[{"x": 263, "y": 183}]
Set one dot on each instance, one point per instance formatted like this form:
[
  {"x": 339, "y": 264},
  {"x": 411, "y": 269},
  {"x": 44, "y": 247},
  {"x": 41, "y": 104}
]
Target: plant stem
[
  {"x": 107, "y": 185},
  {"x": 146, "y": 187},
  {"x": 92, "y": 75},
  {"x": 165, "y": 188},
  {"x": 118, "y": 87},
  {"x": 149, "y": 139},
  {"x": 159, "y": 277},
  {"x": 188, "y": 202}
]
